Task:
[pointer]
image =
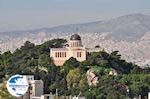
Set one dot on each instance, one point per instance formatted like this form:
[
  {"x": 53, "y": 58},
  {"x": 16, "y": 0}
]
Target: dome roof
[{"x": 75, "y": 37}]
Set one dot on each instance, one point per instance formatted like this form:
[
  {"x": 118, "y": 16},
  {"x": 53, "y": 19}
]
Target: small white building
[
  {"x": 73, "y": 48},
  {"x": 36, "y": 88},
  {"x": 29, "y": 77}
]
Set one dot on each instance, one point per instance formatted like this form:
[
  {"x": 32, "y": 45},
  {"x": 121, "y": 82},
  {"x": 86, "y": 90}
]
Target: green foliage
[
  {"x": 71, "y": 79},
  {"x": 70, "y": 64},
  {"x": 100, "y": 70},
  {"x": 43, "y": 60},
  {"x": 4, "y": 93},
  {"x": 139, "y": 84},
  {"x": 138, "y": 70}
]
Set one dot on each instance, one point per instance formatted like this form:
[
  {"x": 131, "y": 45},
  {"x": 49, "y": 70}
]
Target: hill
[
  {"x": 129, "y": 31},
  {"x": 72, "y": 78}
]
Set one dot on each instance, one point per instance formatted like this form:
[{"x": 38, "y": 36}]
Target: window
[
  {"x": 60, "y": 54},
  {"x": 65, "y": 54},
  {"x": 55, "y": 54},
  {"x": 78, "y": 54}
]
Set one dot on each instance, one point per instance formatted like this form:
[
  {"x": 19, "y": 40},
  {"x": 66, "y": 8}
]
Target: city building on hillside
[
  {"x": 35, "y": 89},
  {"x": 73, "y": 48},
  {"x": 29, "y": 77}
]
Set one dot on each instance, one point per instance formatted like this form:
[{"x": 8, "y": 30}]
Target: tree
[
  {"x": 70, "y": 64},
  {"x": 73, "y": 78},
  {"x": 43, "y": 60},
  {"x": 70, "y": 79},
  {"x": 83, "y": 85},
  {"x": 27, "y": 45},
  {"x": 138, "y": 88}
]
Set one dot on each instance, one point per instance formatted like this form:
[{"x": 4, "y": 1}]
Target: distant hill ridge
[
  {"x": 130, "y": 34},
  {"x": 129, "y": 27}
]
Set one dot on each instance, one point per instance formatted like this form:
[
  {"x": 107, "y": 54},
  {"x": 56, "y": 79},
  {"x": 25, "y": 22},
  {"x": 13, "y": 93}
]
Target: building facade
[
  {"x": 36, "y": 88},
  {"x": 73, "y": 48}
]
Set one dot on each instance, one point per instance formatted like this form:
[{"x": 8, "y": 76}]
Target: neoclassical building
[{"x": 73, "y": 48}]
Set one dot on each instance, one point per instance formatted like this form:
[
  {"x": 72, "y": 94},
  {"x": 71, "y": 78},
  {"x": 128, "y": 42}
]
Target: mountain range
[{"x": 130, "y": 34}]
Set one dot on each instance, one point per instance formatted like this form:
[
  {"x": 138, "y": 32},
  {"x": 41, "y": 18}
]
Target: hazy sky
[{"x": 28, "y": 14}]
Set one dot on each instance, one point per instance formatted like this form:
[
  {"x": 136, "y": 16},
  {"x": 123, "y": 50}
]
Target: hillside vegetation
[{"x": 71, "y": 79}]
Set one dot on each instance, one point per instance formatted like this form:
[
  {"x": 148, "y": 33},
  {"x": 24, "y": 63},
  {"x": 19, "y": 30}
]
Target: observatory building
[{"x": 73, "y": 48}]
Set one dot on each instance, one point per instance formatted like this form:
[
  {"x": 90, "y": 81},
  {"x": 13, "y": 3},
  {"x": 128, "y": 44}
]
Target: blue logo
[{"x": 17, "y": 85}]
